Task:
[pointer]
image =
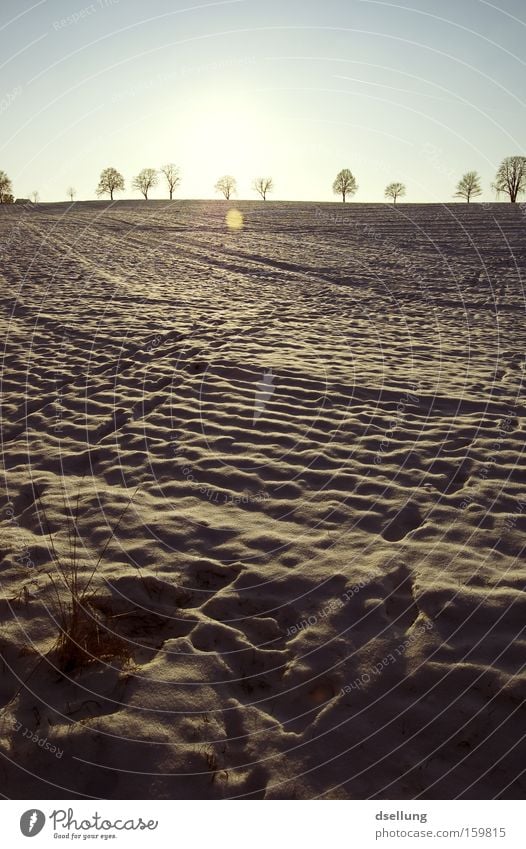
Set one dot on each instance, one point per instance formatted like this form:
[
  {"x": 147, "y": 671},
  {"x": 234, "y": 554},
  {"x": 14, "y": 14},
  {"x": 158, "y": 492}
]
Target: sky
[{"x": 294, "y": 89}]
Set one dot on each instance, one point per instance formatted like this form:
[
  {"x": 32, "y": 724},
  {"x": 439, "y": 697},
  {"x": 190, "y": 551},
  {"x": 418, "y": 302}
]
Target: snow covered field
[{"x": 303, "y": 438}]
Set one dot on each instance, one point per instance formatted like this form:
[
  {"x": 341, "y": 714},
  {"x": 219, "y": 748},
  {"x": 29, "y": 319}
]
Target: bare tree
[
  {"x": 110, "y": 181},
  {"x": 345, "y": 184},
  {"x": 511, "y": 177},
  {"x": 171, "y": 172},
  {"x": 395, "y": 191},
  {"x": 468, "y": 186},
  {"x": 6, "y": 188},
  {"x": 144, "y": 181},
  {"x": 263, "y": 185},
  {"x": 226, "y": 186},
  {"x": 71, "y": 192},
  {"x": 35, "y": 197}
]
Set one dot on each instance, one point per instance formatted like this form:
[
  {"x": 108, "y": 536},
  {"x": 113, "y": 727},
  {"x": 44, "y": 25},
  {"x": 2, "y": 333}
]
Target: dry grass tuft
[{"x": 85, "y": 636}]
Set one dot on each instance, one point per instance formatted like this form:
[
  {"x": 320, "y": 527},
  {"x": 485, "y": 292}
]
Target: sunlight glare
[{"x": 234, "y": 219}]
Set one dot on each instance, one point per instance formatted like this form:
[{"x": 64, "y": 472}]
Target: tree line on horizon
[{"x": 510, "y": 180}]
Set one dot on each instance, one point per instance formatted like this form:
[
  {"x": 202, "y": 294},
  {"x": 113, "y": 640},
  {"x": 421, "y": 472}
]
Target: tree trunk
[
  {"x": 171, "y": 193},
  {"x": 111, "y": 194}
]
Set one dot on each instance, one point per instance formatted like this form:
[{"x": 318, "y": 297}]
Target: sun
[{"x": 224, "y": 134}]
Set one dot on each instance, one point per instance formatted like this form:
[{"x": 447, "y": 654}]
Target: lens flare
[{"x": 234, "y": 219}]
